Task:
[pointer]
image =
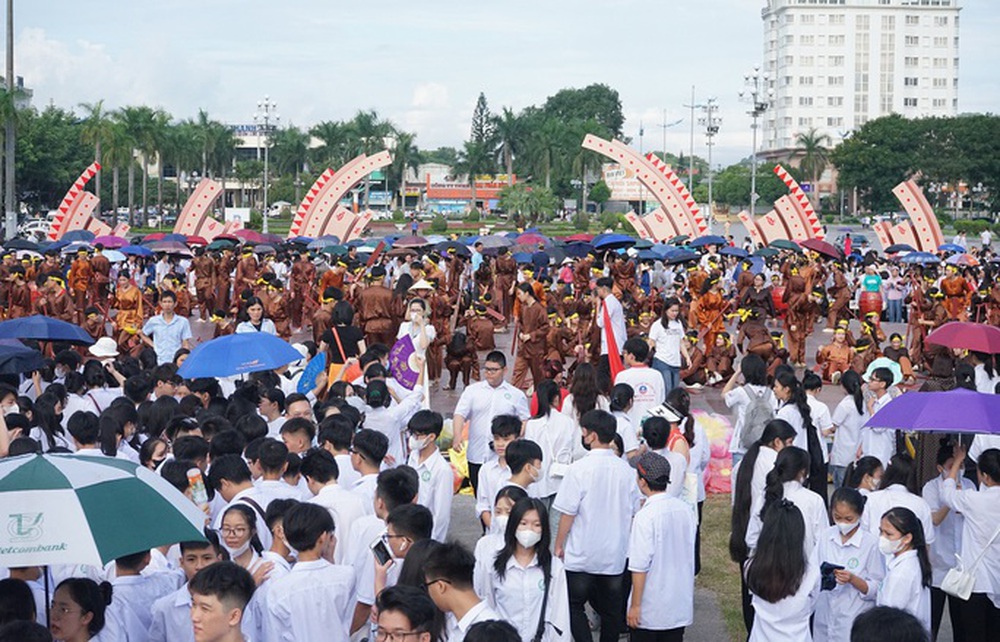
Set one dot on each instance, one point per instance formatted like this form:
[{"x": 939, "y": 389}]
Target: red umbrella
[
  {"x": 155, "y": 236},
  {"x": 530, "y": 238},
  {"x": 170, "y": 247},
  {"x": 977, "y": 337},
  {"x": 411, "y": 241},
  {"x": 249, "y": 235},
  {"x": 196, "y": 240},
  {"x": 822, "y": 247},
  {"x": 579, "y": 238}
]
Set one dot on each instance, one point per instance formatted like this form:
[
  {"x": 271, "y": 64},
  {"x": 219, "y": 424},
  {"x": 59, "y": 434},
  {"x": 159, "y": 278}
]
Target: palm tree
[
  {"x": 544, "y": 148},
  {"x": 224, "y": 155},
  {"x": 405, "y": 156},
  {"x": 159, "y": 134},
  {"x": 473, "y": 159},
  {"x": 508, "y": 131},
  {"x": 96, "y": 131},
  {"x": 291, "y": 153},
  {"x": 248, "y": 172},
  {"x": 335, "y": 137},
  {"x": 117, "y": 152},
  {"x": 130, "y": 120},
  {"x": 370, "y": 132},
  {"x": 182, "y": 149},
  {"x": 813, "y": 148}
]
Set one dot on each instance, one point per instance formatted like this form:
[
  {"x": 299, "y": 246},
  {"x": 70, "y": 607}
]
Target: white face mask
[
  {"x": 527, "y": 537},
  {"x": 416, "y": 442},
  {"x": 534, "y": 473},
  {"x": 889, "y": 546},
  {"x": 499, "y": 523},
  {"x": 11, "y": 409},
  {"x": 846, "y": 528},
  {"x": 236, "y": 552}
]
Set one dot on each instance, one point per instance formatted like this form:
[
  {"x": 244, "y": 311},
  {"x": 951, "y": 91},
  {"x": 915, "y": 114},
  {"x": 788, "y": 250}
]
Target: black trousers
[
  {"x": 748, "y": 610},
  {"x": 474, "y": 477},
  {"x": 606, "y": 594},
  {"x": 938, "y": 598},
  {"x": 668, "y": 635},
  {"x": 979, "y": 617}
]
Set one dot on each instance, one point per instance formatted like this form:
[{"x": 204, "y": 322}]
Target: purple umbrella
[{"x": 935, "y": 412}]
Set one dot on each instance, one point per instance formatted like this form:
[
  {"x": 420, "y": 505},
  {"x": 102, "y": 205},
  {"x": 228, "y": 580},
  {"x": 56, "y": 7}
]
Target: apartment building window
[
  {"x": 912, "y": 41},
  {"x": 786, "y": 81},
  {"x": 808, "y": 19},
  {"x": 940, "y": 21},
  {"x": 939, "y": 103},
  {"x": 911, "y": 61},
  {"x": 909, "y": 102},
  {"x": 789, "y": 60},
  {"x": 836, "y": 61},
  {"x": 910, "y": 82},
  {"x": 835, "y": 122},
  {"x": 788, "y": 121},
  {"x": 806, "y": 80},
  {"x": 807, "y": 41},
  {"x": 940, "y": 41},
  {"x": 835, "y": 81},
  {"x": 912, "y": 21},
  {"x": 888, "y": 23},
  {"x": 940, "y": 83},
  {"x": 834, "y": 101},
  {"x": 789, "y": 40},
  {"x": 805, "y": 101},
  {"x": 940, "y": 63},
  {"x": 836, "y": 18},
  {"x": 806, "y": 61},
  {"x": 789, "y": 18},
  {"x": 836, "y": 41}
]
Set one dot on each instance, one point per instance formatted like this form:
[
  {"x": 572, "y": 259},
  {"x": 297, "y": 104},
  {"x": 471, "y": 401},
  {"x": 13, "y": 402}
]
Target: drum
[
  {"x": 870, "y": 302},
  {"x": 776, "y": 296}
]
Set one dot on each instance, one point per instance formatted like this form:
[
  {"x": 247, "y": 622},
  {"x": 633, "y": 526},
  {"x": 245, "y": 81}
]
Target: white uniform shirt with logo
[
  {"x": 478, "y": 404},
  {"x": 902, "y": 587},
  {"x": 947, "y": 534},
  {"x": 788, "y": 618},
  {"x": 492, "y": 477},
  {"x": 436, "y": 489},
  {"x": 345, "y": 507},
  {"x": 836, "y": 609},
  {"x": 880, "y": 501},
  {"x": 556, "y": 435},
  {"x": 315, "y": 601},
  {"x": 517, "y": 598},
  {"x": 647, "y": 389},
  {"x": 981, "y": 510}
]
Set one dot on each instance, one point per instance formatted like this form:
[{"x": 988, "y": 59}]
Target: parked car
[{"x": 36, "y": 227}]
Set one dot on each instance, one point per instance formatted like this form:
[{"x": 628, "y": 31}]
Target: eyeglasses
[
  {"x": 61, "y": 610},
  {"x": 238, "y": 531},
  {"x": 381, "y": 635},
  {"x": 440, "y": 579}
]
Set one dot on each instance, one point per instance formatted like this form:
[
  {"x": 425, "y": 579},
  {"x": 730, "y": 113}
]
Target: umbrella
[
  {"x": 238, "y": 354},
  {"x": 180, "y": 238},
  {"x": 136, "y": 250},
  {"x": 581, "y": 237},
  {"x": 300, "y": 240},
  {"x": 612, "y": 241},
  {"x": 196, "y": 240},
  {"x": 822, "y": 247},
  {"x": 458, "y": 248},
  {"x": 935, "y": 412},
  {"x": 766, "y": 251},
  {"x": 111, "y": 242},
  {"x": 577, "y": 249},
  {"x": 950, "y": 247},
  {"x": 919, "y": 257},
  {"x": 252, "y": 236},
  {"x": 785, "y": 244},
  {"x": 171, "y": 247},
  {"x": 522, "y": 258},
  {"x": 730, "y": 250},
  {"x": 263, "y": 248},
  {"x": 74, "y": 509},
  {"x": 977, "y": 337},
  {"x": 78, "y": 235},
  {"x": 899, "y": 247},
  {"x": 708, "y": 239},
  {"x": 495, "y": 242},
  {"x": 681, "y": 256},
  {"x": 756, "y": 267},
  {"x": 20, "y": 244},
  {"x": 678, "y": 240},
  {"x": 648, "y": 255},
  {"x": 962, "y": 260},
  {"x": 412, "y": 241},
  {"x": 402, "y": 251},
  {"x": 338, "y": 250},
  {"x": 155, "y": 236},
  {"x": 322, "y": 242},
  {"x": 114, "y": 256},
  {"x": 15, "y": 357},
  {"x": 532, "y": 238},
  {"x": 885, "y": 362},
  {"x": 44, "y": 328},
  {"x": 76, "y": 245},
  {"x": 643, "y": 244}
]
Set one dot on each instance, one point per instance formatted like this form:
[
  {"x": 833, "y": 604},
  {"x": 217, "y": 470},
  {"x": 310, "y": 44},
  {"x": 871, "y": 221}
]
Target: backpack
[{"x": 758, "y": 413}]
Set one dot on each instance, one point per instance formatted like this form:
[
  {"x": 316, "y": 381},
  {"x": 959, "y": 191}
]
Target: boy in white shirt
[
  {"x": 335, "y": 435},
  {"x": 272, "y": 461},
  {"x": 448, "y": 574},
  {"x": 219, "y": 597},
  {"x": 494, "y": 473},
  {"x": 290, "y": 606},
  {"x": 133, "y": 594},
  {"x": 172, "y": 612},
  {"x": 320, "y": 471},
  {"x": 647, "y": 384},
  {"x": 525, "y": 460},
  {"x": 436, "y": 477}
]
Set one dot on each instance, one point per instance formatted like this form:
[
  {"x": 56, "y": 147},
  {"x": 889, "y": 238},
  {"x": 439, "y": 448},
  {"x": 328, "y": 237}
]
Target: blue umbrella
[
  {"x": 522, "y": 257},
  {"x": 577, "y": 250},
  {"x": 44, "y": 328},
  {"x": 612, "y": 241},
  {"x": 682, "y": 256},
  {"x": 15, "y": 357},
  {"x": 648, "y": 255},
  {"x": 237, "y": 354},
  {"x": 730, "y": 250},
  {"x": 710, "y": 239},
  {"x": 78, "y": 235},
  {"x": 323, "y": 241},
  {"x": 300, "y": 240},
  {"x": 951, "y": 247},
  {"x": 756, "y": 267},
  {"x": 919, "y": 257},
  {"x": 136, "y": 250},
  {"x": 664, "y": 250}
]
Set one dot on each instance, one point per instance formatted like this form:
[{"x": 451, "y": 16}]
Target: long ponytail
[
  {"x": 798, "y": 398},
  {"x": 740, "y": 518},
  {"x": 680, "y": 400},
  {"x": 851, "y": 382},
  {"x": 791, "y": 463}
]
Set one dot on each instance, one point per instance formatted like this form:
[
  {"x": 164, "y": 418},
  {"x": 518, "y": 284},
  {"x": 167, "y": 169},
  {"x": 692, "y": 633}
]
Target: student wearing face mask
[
  {"x": 898, "y": 488},
  {"x": 238, "y": 535},
  {"x": 436, "y": 476},
  {"x": 864, "y": 475},
  {"x": 908, "y": 568},
  {"x": 855, "y": 550},
  {"x": 525, "y": 583},
  {"x": 290, "y": 605},
  {"x": 493, "y": 540}
]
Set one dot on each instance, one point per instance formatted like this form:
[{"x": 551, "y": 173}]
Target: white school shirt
[
  {"x": 979, "y": 444},
  {"x": 345, "y": 507},
  {"x": 347, "y": 475},
  {"x": 391, "y": 421},
  {"x": 836, "y": 609},
  {"x": 458, "y": 628},
  {"x": 359, "y": 553},
  {"x": 478, "y": 404},
  {"x": 600, "y": 490},
  {"x": 668, "y": 341},
  {"x": 517, "y": 599},
  {"x": 263, "y": 532},
  {"x": 879, "y": 442},
  {"x": 172, "y": 619},
  {"x": 315, "y": 601},
  {"x": 947, "y": 534},
  {"x": 274, "y": 427},
  {"x": 701, "y": 456},
  {"x": 981, "y": 510},
  {"x": 647, "y": 389},
  {"x": 133, "y": 597},
  {"x": 880, "y": 501},
  {"x": 737, "y": 400},
  {"x": 813, "y": 514},
  {"x": 662, "y": 546},
  {"x": 790, "y": 413},
  {"x": 902, "y": 587},
  {"x": 485, "y": 553},
  {"x": 819, "y": 412},
  {"x": 492, "y": 477},
  {"x": 617, "y": 317},
  {"x": 555, "y": 435},
  {"x": 253, "y": 621},
  {"x": 269, "y": 490},
  {"x": 787, "y": 620},
  {"x": 678, "y": 467},
  {"x": 626, "y": 430},
  {"x": 436, "y": 489},
  {"x": 364, "y": 488},
  {"x": 847, "y": 437}
]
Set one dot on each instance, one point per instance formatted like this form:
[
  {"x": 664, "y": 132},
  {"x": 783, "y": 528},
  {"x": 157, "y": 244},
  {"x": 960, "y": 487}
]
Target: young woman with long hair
[
  {"x": 865, "y": 475},
  {"x": 739, "y": 398},
  {"x": 794, "y": 408},
  {"x": 666, "y": 336},
  {"x": 786, "y": 481},
  {"x": 584, "y": 396},
  {"x": 898, "y": 488},
  {"x": 908, "y": 569},
  {"x": 847, "y": 418},
  {"x": 556, "y": 434}
]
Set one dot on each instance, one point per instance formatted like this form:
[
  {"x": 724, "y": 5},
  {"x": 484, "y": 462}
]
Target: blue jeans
[
  {"x": 894, "y": 308},
  {"x": 671, "y": 374},
  {"x": 838, "y": 472}
]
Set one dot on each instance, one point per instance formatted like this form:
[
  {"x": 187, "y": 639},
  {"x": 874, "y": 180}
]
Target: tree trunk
[
  {"x": 159, "y": 184},
  {"x": 114, "y": 191},
  {"x": 97, "y": 157},
  {"x": 145, "y": 190},
  {"x": 131, "y": 193},
  {"x": 509, "y": 162},
  {"x": 472, "y": 183}
]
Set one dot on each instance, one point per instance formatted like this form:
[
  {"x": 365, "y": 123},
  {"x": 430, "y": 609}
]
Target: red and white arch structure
[
  {"x": 922, "y": 231},
  {"x": 793, "y": 217},
  {"x": 320, "y": 212},
  {"x": 75, "y": 211},
  {"x": 195, "y": 218},
  {"x": 677, "y": 213}
]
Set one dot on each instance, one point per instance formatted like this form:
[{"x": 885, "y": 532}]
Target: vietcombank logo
[{"x": 22, "y": 530}]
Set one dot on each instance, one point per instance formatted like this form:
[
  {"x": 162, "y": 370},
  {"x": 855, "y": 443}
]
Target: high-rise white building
[{"x": 836, "y": 64}]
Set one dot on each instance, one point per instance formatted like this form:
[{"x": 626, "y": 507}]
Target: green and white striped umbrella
[{"x": 78, "y": 509}]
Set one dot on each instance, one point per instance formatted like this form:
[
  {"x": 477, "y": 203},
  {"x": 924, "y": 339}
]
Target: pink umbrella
[
  {"x": 530, "y": 238},
  {"x": 411, "y": 241},
  {"x": 977, "y": 337},
  {"x": 249, "y": 235},
  {"x": 111, "y": 242},
  {"x": 196, "y": 240},
  {"x": 170, "y": 247}
]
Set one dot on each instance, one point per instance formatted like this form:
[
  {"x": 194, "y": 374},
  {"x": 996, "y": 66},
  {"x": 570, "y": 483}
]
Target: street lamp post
[
  {"x": 266, "y": 112},
  {"x": 10, "y": 203},
  {"x": 759, "y": 95},
  {"x": 692, "y": 107},
  {"x": 298, "y": 188},
  {"x": 711, "y": 123}
]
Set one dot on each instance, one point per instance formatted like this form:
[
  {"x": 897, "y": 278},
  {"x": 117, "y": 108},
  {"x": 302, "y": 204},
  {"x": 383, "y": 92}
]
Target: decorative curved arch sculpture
[
  {"x": 320, "y": 212},
  {"x": 75, "y": 211},
  {"x": 922, "y": 231},
  {"x": 195, "y": 220}
]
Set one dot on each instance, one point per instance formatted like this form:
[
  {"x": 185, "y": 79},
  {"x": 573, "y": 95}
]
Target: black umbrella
[
  {"x": 900, "y": 247},
  {"x": 453, "y": 247},
  {"x": 15, "y": 357},
  {"x": 20, "y": 244}
]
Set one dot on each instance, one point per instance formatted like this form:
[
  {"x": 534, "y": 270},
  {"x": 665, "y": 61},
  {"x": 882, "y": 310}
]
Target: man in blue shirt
[{"x": 166, "y": 333}]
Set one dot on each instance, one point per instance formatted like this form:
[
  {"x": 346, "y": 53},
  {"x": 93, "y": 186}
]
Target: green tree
[
  {"x": 482, "y": 122},
  {"x": 474, "y": 159},
  {"x": 405, "y": 157},
  {"x": 96, "y": 131},
  {"x": 291, "y": 153},
  {"x": 249, "y": 173},
  {"x": 49, "y": 155},
  {"x": 442, "y": 155},
  {"x": 812, "y": 147},
  {"x": 877, "y": 157},
  {"x": 159, "y": 134},
  {"x": 336, "y": 142},
  {"x": 370, "y": 131},
  {"x": 598, "y": 102},
  {"x": 600, "y": 193},
  {"x": 508, "y": 133}
]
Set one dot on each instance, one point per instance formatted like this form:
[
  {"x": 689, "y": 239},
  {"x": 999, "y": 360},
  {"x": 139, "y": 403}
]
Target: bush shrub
[
  {"x": 610, "y": 220},
  {"x": 398, "y": 216},
  {"x": 439, "y": 224},
  {"x": 474, "y": 216},
  {"x": 971, "y": 227},
  {"x": 256, "y": 221},
  {"x": 581, "y": 221}
]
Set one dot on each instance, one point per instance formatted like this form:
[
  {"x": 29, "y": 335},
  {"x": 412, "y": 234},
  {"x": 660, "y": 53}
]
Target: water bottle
[{"x": 198, "y": 493}]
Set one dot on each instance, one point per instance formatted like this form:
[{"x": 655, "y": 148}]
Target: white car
[{"x": 36, "y": 227}]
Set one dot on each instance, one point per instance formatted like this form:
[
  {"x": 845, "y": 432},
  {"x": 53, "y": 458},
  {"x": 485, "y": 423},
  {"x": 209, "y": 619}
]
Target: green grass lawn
[{"x": 720, "y": 574}]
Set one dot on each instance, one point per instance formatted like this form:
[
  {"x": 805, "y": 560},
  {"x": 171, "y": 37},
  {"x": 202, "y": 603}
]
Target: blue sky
[{"x": 423, "y": 64}]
